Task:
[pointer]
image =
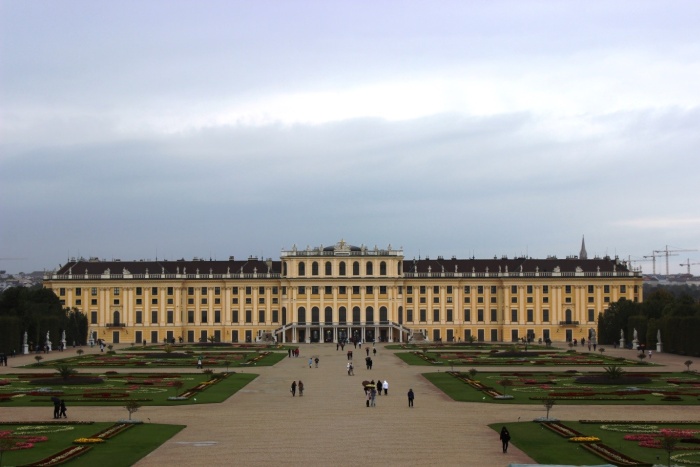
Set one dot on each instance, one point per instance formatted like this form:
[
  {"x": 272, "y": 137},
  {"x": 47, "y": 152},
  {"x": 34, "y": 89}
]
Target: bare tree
[
  {"x": 548, "y": 404},
  {"x": 132, "y": 407}
]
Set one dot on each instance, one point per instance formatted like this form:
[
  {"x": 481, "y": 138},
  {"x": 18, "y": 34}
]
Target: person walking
[
  {"x": 311, "y": 361},
  {"x": 63, "y": 410},
  {"x": 411, "y": 396},
  {"x": 316, "y": 361},
  {"x": 351, "y": 369},
  {"x": 505, "y": 439},
  {"x": 374, "y": 351},
  {"x": 373, "y": 395},
  {"x": 301, "y": 388},
  {"x": 56, "y": 408},
  {"x": 367, "y": 350},
  {"x": 385, "y": 386},
  {"x": 294, "y": 388}
]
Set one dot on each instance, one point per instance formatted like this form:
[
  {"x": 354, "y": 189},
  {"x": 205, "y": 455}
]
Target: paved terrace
[{"x": 330, "y": 425}]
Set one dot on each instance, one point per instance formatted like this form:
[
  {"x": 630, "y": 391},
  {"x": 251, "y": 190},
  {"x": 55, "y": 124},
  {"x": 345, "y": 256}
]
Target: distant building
[{"x": 342, "y": 292}]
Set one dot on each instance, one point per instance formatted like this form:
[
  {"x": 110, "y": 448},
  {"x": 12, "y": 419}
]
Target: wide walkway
[{"x": 264, "y": 425}]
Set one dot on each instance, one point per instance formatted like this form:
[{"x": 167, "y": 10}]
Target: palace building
[{"x": 341, "y": 292}]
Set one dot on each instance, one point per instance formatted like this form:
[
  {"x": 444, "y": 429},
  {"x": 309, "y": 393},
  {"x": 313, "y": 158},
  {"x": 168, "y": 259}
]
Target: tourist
[
  {"x": 316, "y": 361},
  {"x": 63, "y": 410},
  {"x": 505, "y": 439},
  {"x": 289, "y": 353},
  {"x": 411, "y": 396},
  {"x": 294, "y": 388},
  {"x": 311, "y": 361},
  {"x": 199, "y": 363},
  {"x": 367, "y": 350},
  {"x": 649, "y": 355},
  {"x": 385, "y": 386},
  {"x": 379, "y": 386},
  {"x": 56, "y": 407},
  {"x": 351, "y": 369},
  {"x": 373, "y": 395},
  {"x": 374, "y": 352},
  {"x": 367, "y": 360},
  {"x": 301, "y": 388}
]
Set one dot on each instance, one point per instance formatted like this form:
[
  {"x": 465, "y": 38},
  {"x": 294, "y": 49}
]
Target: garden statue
[
  {"x": 659, "y": 345},
  {"x": 48, "y": 342},
  {"x": 635, "y": 339},
  {"x": 622, "y": 339},
  {"x": 25, "y": 344}
]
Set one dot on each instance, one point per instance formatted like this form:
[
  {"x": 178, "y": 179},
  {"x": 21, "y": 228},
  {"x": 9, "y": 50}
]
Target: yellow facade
[{"x": 343, "y": 292}]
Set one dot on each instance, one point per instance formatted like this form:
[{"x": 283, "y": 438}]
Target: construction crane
[
  {"x": 668, "y": 252},
  {"x": 653, "y": 257},
  {"x": 630, "y": 261},
  {"x": 688, "y": 263}
]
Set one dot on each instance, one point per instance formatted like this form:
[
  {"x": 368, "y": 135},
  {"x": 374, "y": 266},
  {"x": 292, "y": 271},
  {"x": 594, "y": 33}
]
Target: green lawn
[
  {"x": 128, "y": 446},
  {"x": 531, "y": 387},
  {"x": 547, "y": 447},
  {"x": 117, "y": 388},
  {"x": 509, "y": 357}
]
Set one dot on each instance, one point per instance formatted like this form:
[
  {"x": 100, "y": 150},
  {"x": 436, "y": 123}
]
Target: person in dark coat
[
  {"x": 56, "y": 407},
  {"x": 505, "y": 439},
  {"x": 294, "y": 388},
  {"x": 411, "y": 396},
  {"x": 63, "y": 410}
]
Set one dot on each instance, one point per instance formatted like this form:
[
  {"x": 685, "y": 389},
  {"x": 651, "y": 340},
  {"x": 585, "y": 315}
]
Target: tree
[
  {"x": 472, "y": 372},
  {"x": 38, "y": 359},
  {"x": 641, "y": 357},
  {"x": 548, "y": 403},
  {"x": 687, "y": 364},
  {"x": 227, "y": 363},
  {"x": 65, "y": 371},
  {"x": 132, "y": 407},
  {"x": 80, "y": 352},
  {"x": 177, "y": 384},
  {"x": 505, "y": 383},
  {"x": 669, "y": 439}
]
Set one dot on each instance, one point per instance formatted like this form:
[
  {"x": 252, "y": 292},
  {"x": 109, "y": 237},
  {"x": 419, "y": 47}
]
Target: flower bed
[
  {"x": 63, "y": 456},
  {"x": 113, "y": 430},
  {"x": 88, "y": 441},
  {"x": 614, "y": 457},
  {"x": 561, "y": 429}
]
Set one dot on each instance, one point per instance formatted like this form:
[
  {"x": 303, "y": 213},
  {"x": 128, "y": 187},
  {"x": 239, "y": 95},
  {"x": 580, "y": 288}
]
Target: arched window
[
  {"x": 341, "y": 268},
  {"x": 314, "y": 268},
  {"x": 301, "y": 314},
  {"x": 315, "y": 318},
  {"x": 383, "y": 315},
  {"x": 369, "y": 315},
  {"x": 399, "y": 265},
  {"x": 567, "y": 314},
  {"x": 342, "y": 315},
  {"x": 369, "y": 268},
  {"x": 302, "y": 269},
  {"x": 355, "y": 268},
  {"x": 382, "y": 268},
  {"x": 328, "y": 312},
  {"x": 284, "y": 269},
  {"x": 116, "y": 317},
  {"x": 356, "y": 315},
  {"x": 329, "y": 268}
]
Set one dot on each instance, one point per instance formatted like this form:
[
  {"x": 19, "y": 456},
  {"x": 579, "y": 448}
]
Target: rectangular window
[
  {"x": 623, "y": 289},
  {"x": 591, "y": 299},
  {"x": 450, "y": 318},
  {"x": 409, "y": 315},
  {"x": 513, "y": 299},
  {"x": 449, "y": 299},
  {"x": 190, "y": 316},
  {"x": 494, "y": 315},
  {"x": 590, "y": 289},
  {"x": 154, "y": 301},
  {"x": 449, "y": 289},
  {"x": 217, "y": 301},
  {"x": 493, "y": 289},
  {"x": 545, "y": 289},
  {"x": 139, "y": 301},
  {"x": 423, "y": 316},
  {"x": 530, "y": 316},
  {"x": 545, "y": 316},
  {"x": 422, "y": 299},
  {"x": 356, "y": 290},
  {"x": 545, "y": 299},
  {"x": 436, "y": 289},
  {"x": 116, "y": 301},
  {"x": 514, "y": 289},
  {"x": 567, "y": 289},
  {"x": 248, "y": 290},
  {"x": 217, "y": 290},
  {"x": 234, "y": 316},
  {"x": 436, "y": 315},
  {"x": 467, "y": 300},
  {"x": 342, "y": 290},
  {"x": 93, "y": 291},
  {"x": 154, "y": 317},
  {"x": 261, "y": 290},
  {"x": 275, "y": 291},
  {"x": 139, "y": 317},
  {"x": 467, "y": 289},
  {"x": 382, "y": 290},
  {"x": 204, "y": 291},
  {"x": 513, "y": 315},
  {"x": 369, "y": 290},
  {"x": 261, "y": 316},
  {"x": 170, "y": 291},
  {"x": 529, "y": 289},
  {"x": 204, "y": 301},
  {"x": 93, "y": 301},
  {"x": 139, "y": 291},
  {"x": 409, "y": 289},
  {"x": 93, "y": 317},
  {"x": 170, "y": 317},
  {"x": 493, "y": 299},
  {"x": 190, "y": 290},
  {"x": 249, "y": 316},
  {"x": 422, "y": 290},
  {"x": 116, "y": 291},
  {"x": 78, "y": 291},
  {"x": 436, "y": 299},
  {"x": 234, "y": 290},
  {"x": 409, "y": 299},
  {"x": 217, "y": 316},
  {"x": 328, "y": 290},
  {"x": 606, "y": 289},
  {"x": 480, "y": 315},
  {"x": 467, "y": 315},
  {"x": 204, "y": 316},
  {"x": 591, "y": 315},
  {"x": 302, "y": 290},
  {"x": 154, "y": 290},
  {"x": 314, "y": 290},
  {"x": 261, "y": 301},
  {"x": 275, "y": 316}
]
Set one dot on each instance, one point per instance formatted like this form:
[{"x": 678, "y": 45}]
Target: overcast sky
[{"x": 175, "y": 129}]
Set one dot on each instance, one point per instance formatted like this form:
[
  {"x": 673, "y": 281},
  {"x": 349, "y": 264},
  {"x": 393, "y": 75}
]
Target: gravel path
[{"x": 330, "y": 425}]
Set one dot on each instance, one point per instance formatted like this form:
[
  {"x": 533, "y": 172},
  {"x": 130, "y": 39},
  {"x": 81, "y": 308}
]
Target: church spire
[{"x": 583, "y": 254}]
